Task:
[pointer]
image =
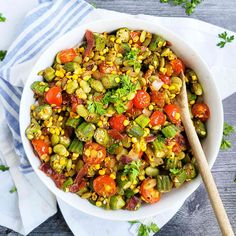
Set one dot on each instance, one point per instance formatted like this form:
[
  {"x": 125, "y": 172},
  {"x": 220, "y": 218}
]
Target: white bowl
[{"x": 191, "y": 58}]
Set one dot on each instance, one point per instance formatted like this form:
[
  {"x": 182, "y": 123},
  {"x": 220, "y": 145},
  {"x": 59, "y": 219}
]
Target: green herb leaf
[
  {"x": 134, "y": 222},
  {"x": 2, "y": 54},
  {"x": 2, "y": 18},
  {"x": 96, "y": 107},
  {"x": 228, "y": 129},
  {"x": 93, "y": 4},
  {"x": 224, "y": 39},
  {"x": 132, "y": 169},
  {"x": 14, "y": 189},
  {"x": 175, "y": 171},
  {"x": 4, "y": 168},
  {"x": 225, "y": 144},
  {"x": 144, "y": 230},
  {"x": 154, "y": 228}
]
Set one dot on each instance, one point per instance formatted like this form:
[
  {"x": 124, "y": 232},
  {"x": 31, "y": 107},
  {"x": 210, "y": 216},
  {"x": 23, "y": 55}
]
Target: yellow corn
[
  {"x": 123, "y": 178},
  {"x": 165, "y": 86},
  {"x": 126, "y": 122},
  {"x": 134, "y": 140},
  {"x": 97, "y": 167},
  {"x": 102, "y": 172},
  {"x": 177, "y": 116},
  {"x": 113, "y": 176},
  {"x": 150, "y": 107},
  {"x": 163, "y": 70},
  {"x": 86, "y": 59},
  {"x": 46, "y": 89},
  {"x": 100, "y": 123},
  {"x": 118, "y": 41}
]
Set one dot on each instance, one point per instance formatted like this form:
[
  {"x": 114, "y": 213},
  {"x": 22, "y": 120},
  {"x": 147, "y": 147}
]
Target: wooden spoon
[{"x": 216, "y": 202}]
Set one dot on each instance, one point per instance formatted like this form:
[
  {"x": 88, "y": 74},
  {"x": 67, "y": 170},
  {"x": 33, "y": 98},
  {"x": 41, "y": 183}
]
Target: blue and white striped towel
[{"x": 33, "y": 203}]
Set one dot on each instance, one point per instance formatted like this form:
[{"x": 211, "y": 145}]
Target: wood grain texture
[{"x": 196, "y": 217}]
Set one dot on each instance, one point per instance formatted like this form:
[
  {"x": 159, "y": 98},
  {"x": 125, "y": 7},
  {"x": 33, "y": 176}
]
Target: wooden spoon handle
[{"x": 207, "y": 177}]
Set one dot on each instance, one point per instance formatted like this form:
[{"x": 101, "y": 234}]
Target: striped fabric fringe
[{"x": 44, "y": 24}]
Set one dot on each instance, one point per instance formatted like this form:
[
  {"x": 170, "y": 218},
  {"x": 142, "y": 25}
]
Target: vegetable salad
[{"x": 104, "y": 124}]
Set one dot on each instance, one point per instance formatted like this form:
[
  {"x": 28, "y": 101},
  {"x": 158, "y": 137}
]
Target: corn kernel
[
  {"x": 97, "y": 166},
  {"x": 42, "y": 137},
  {"x": 142, "y": 177},
  {"x": 177, "y": 116},
  {"x": 119, "y": 55},
  {"x": 102, "y": 172},
  {"x": 100, "y": 124},
  {"x": 94, "y": 68},
  {"x": 102, "y": 58},
  {"x": 112, "y": 39},
  {"x": 130, "y": 41},
  {"x": 50, "y": 150},
  {"x": 118, "y": 41},
  {"x": 143, "y": 36},
  {"x": 46, "y": 89},
  {"x": 81, "y": 49},
  {"x": 107, "y": 159},
  {"x": 165, "y": 86},
  {"x": 87, "y": 77},
  {"x": 126, "y": 122},
  {"x": 192, "y": 102},
  {"x": 172, "y": 87},
  {"x": 134, "y": 140},
  {"x": 135, "y": 39},
  {"x": 151, "y": 67},
  {"x": 60, "y": 118},
  {"x": 132, "y": 186},
  {"x": 128, "y": 72},
  {"x": 140, "y": 58},
  {"x": 163, "y": 70},
  {"x": 123, "y": 178},
  {"x": 98, "y": 203},
  {"x": 86, "y": 59},
  {"x": 117, "y": 79},
  {"x": 59, "y": 74},
  {"x": 52, "y": 131},
  {"x": 113, "y": 176},
  {"x": 150, "y": 107}
]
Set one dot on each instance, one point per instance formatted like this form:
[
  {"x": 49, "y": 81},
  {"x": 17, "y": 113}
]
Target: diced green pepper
[
  {"x": 71, "y": 66},
  {"x": 172, "y": 162},
  {"x": 125, "y": 47},
  {"x": 142, "y": 120},
  {"x": 112, "y": 148},
  {"x": 164, "y": 183},
  {"x": 43, "y": 112},
  {"x": 179, "y": 178},
  {"x": 135, "y": 131},
  {"x": 101, "y": 136},
  {"x": 100, "y": 41},
  {"x": 76, "y": 146},
  {"x": 116, "y": 202},
  {"x": 157, "y": 41},
  {"x": 191, "y": 96},
  {"x": 67, "y": 183},
  {"x": 170, "y": 131},
  {"x": 74, "y": 122},
  {"x": 123, "y": 181},
  {"x": 39, "y": 87},
  {"x": 85, "y": 131}
]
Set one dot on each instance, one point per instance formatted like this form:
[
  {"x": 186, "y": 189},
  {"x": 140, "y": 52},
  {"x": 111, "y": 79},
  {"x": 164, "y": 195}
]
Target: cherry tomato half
[
  {"x": 40, "y": 147},
  {"x": 94, "y": 153},
  {"x": 104, "y": 186},
  {"x": 201, "y": 111},
  {"x": 53, "y": 96},
  {"x": 178, "y": 66},
  {"x": 165, "y": 78},
  {"x": 173, "y": 113},
  {"x": 158, "y": 98},
  {"x": 117, "y": 122},
  {"x": 141, "y": 99},
  {"x": 157, "y": 118},
  {"x": 148, "y": 191},
  {"x": 67, "y": 55}
]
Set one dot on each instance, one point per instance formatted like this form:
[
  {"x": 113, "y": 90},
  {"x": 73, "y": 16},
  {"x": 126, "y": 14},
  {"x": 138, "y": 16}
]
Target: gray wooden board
[{"x": 196, "y": 216}]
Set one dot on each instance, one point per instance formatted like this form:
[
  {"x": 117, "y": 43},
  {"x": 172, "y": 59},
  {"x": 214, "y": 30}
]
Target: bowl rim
[{"x": 126, "y": 21}]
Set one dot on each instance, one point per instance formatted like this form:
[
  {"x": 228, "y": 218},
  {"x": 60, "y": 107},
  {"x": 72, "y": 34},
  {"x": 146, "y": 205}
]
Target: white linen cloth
[{"x": 33, "y": 203}]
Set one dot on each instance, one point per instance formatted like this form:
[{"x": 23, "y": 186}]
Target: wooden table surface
[{"x": 196, "y": 216}]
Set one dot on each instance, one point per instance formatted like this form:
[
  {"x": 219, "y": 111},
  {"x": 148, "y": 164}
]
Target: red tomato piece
[
  {"x": 90, "y": 43},
  {"x": 106, "y": 69},
  {"x": 201, "y": 111},
  {"x": 173, "y": 113},
  {"x": 104, "y": 186},
  {"x": 40, "y": 147},
  {"x": 158, "y": 98},
  {"x": 117, "y": 122},
  {"x": 178, "y": 66},
  {"x": 115, "y": 134},
  {"x": 54, "y": 96},
  {"x": 141, "y": 99},
  {"x": 135, "y": 36},
  {"x": 148, "y": 191},
  {"x": 67, "y": 55},
  {"x": 94, "y": 153},
  {"x": 165, "y": 78},
  {"x": 157, "y": 118},
  {"x": 81, "y": 174}
]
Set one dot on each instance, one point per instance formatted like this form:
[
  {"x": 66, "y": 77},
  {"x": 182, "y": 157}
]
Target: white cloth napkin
[{"x": 33, "y": 203}]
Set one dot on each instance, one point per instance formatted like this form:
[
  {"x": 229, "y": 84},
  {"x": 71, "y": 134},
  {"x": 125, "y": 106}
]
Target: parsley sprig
[
  {"x": 121, "y": 95},
  {"x": 2, "y": 54},
  {"x": 132, "y": 169},
  {"x": 96, "y": 107},
  {"x": 224, "y": 39},
  {"x": 144, "y": 230},
  {"x": 228, "y": 129},
  {"x": 4, "y": 168},
  {"x": 2, "y": 18},
  {"x": 13, "y": 190},
  {"x": 188, "y": 5},
  {"x": 175, "y": 171}
]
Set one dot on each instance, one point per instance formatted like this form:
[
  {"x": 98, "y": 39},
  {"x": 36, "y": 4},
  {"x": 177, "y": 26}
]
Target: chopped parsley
[
  {"x": 144, "y": 230},
  {"x": 2, "y": 54},
  {"x": 228, "y": 129},
  {"x": 224, "y": 39},
  {"x": 2, "y": 18},
  {"x": 132, "y": 169},
  {"x": 4, "y": 168},
  {"x": 13, "y": 190},
  {"x": 121, "y": 95},
  {"x": 96, "y": 107},
  {"x": 188, "y": 5}
]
